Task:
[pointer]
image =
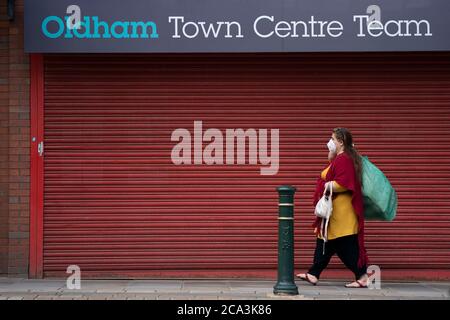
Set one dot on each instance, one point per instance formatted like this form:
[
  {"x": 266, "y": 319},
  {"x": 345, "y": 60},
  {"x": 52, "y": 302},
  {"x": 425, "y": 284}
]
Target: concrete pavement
[{"x": 205, "y": 289}]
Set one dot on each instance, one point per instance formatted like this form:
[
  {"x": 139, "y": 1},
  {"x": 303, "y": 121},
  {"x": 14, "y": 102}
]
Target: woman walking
[{"x": 345, "y": 233}]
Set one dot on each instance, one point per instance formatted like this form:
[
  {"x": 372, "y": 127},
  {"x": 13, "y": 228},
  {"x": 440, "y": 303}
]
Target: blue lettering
[
  {"x": 60, "y": 23},
  {"x": 144, "y": 27},
  {"x": 86, "y": 25},
  {"x": 94, "y": 28},
  {"x": 124, "y": 26},
  {"x": 97, "y": 25},
  {"x": 68, "y": 34}
]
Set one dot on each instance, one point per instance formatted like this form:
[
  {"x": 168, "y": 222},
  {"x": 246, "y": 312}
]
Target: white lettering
[
  {"x": 213, "y": 153},
  {"x": 188, "y": 310},
  {"x": 211, "y": 29},
  {"x": 176, "y": 19},
  {"x": 398, "y": 28},
  {"x": 417, "y": 24},
  {"x": 339, "y": 28},
  {"x": 237, "y": 142},
  {"x": 375, "y": 26},
  {"x": 283, "y": 29},
  {"x": 392, "y": 28},
  {"x": 195, "y": 27},
  {"x": 234, "y": 23},
  {"x": 361, "y": 24},
  {"x": 256, "y": 29},
  {"x": 191, "y": 29},
  {"x": 181, "y": 153}
]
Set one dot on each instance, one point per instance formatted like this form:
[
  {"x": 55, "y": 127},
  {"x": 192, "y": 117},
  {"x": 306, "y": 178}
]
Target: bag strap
[
  {"x": 330, "y": 184},
  {"x": 322, "y": 226}
]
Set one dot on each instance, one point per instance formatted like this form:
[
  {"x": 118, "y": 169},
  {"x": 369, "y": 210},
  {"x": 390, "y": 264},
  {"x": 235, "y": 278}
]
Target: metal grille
[{"x": 116, "y": 205}]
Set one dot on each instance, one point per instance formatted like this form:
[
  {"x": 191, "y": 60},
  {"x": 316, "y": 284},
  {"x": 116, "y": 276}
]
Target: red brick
[
  {"x": 16, "y": 207},
  {"x": 24, "y": 199},
  {"x": 19, "y": 123},
  {"x": 18, "y": 137},
  {"x": 13, "y": 186},
  {"x": 18, "y": 192},
  {"x": 18, "y": 73}
]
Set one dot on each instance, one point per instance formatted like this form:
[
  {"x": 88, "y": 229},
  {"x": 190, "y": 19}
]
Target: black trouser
[{"x": 346, "y": 248}]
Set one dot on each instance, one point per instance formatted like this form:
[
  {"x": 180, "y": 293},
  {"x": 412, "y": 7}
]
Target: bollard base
[{"x": 285, "y": 288}]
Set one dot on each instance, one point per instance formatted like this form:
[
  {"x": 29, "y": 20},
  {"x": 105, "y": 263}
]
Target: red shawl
[{"x": 343, "y": 172}]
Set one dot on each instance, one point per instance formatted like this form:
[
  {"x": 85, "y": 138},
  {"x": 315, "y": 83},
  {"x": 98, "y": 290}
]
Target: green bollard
[{"x": 286, "y": 284}]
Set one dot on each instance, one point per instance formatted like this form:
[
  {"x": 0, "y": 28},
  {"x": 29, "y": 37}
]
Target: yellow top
[{"x": 343, "y": 221}]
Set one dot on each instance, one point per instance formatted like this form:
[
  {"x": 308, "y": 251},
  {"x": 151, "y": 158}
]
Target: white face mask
[{"x": 331, "y": 146}]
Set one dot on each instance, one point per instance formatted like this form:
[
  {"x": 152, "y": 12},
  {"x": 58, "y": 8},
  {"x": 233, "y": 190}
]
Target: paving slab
[
  {"x": 29, "y": 297},
  {"x": 202, "y": 286},
  {"x": 356, "y": 292},
  {"x": 153, "y": 286},
  {"x": 98, "y": 287},
  {"x": 407, "y": 294},
  {"x": 99, "y": 296},
  {"x": 442, "y": 289},
  {"x": 252, "y": 284},
  {"x": 203, "y": 283},
  {"x": 183, "y": 297},
  {"x": 17, "y": 288},
  {"x": 30, "y": 287},
  {"x": 45, "y": 297}
]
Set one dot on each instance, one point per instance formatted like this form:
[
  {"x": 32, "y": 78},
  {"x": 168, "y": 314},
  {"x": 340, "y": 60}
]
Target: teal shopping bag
[{"x": 380, "y": 198}]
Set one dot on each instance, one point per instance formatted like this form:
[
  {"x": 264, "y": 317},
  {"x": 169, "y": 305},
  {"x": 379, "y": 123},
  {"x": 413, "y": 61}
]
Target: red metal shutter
[{"x": 115, "y": 205}]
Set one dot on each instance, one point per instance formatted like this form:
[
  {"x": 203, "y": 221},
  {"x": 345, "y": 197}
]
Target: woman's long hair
[{"x": 346, "y": 137}]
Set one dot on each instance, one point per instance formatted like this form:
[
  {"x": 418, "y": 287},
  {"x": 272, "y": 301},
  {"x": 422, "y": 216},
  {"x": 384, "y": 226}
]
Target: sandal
[
  {"x": 359, "y": 284},
  {"x": 305, "y": 277}
]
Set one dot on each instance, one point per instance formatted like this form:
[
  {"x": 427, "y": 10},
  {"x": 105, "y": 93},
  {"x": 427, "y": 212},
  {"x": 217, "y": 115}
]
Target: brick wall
[
  {"x": 4, "y": 123},
  {"x": 15, "y": 151}
]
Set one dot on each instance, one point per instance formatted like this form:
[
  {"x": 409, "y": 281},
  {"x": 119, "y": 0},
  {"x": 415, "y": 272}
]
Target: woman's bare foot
[
  {"x": 308, "y": 277},
  {"x": 360, "y": 283}
]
